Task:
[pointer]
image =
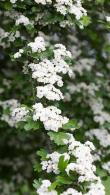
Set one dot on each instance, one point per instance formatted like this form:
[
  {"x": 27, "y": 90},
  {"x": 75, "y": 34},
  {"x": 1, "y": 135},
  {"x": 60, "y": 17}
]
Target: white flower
[
  {"x": 50, "y": 116},
  {"x": 84, "y": 160},
  {"x": 67, "y": 97},
  {"x": 60, "y": 51},
  {"x": 71, "y": 191},
  {"x": 43, "y": 2},
  {"x": 83, "y": 64},
  {"x": 48, "y": 71},
  {"x": 19, "y": 114},
  {"x": 90, "y": 145},
  {"x": 51, "y": 164},
  {"x": 13, "y": 1},
  {"x": 106, "y": 166},
  {"x": 50, "y": 92},
  {"x": 67, "y": 6},
  {"x": 79, "y": 12},
  {"x": 45, "y": 73},
  {"x": 96, "y": 188},
  {"x": 108, "y": 18},
  {"x": 18, "y": 54},
  {"x": 102, "y": 117},
  {"x": 38, "y": 45},
  {"x": 22, "y": 20},
  {"x": 10, "y": 105},
  {"x": 43, "y": 189},
  {"x": 101, "y": 134}
]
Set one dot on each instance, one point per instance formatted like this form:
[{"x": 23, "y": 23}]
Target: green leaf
[
  {"x": 107, "y": 185},
  {"x": 64, "y": 180},
  {"x": 53, "y": 186},
  {"x": 62, "y": 164},
  {"x": 107, "y": 125},
  {"x": 100, "y": 1},
  {"x": 85, "y": 20},
  {"x": 36, "y": 184},
  {"x": 7, "y": 5},
  {"x": 31, "y": 125},
  {"x": 107, "y": 47},
  {"x": 58, "y": 137},
  {"x": 21, "y": 125},
  {"x": 37, "y": 167},
  {"x": 42, "y": 153},
  {"x": 6, "y": 111},
  {"x": 71, "y": 125},
  {"x": 30, "y": 28},
  {"x": 106, "y": 181},
  {"x": 60, "y": 180}
]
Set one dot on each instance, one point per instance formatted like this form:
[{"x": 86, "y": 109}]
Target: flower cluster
[
  {"x": 67, "y": 7},
  {"x": 13, "y": 112},
  {"x": 22, "y": 20},
  {"x": 83, "y": 165},
  {"x": 100, "y": 116},
  {"x": 38, "y": 45},
  {"x": 43, "y": 189},
  {"x": 106, "y": 166},
  {"x": 51, "y": 164},
  {"x": 84, "y": 159},
  {"x": 8, "y": 106},
  {"x": 49, "y": 72},
  {"x": 50, "y": 92},
  {"x": 95, "y": 189},
  {"x": 50, "y": 116},
  {"x": 102, "y": 136},
  {"x": 18, "y": 54},
  {"x": 14, "y": 1},
  {"x": 71, "y": 191},
  {"x": 43, "y": 2},
  {"x": 19, "y": 114},
  {"x": 45, "y": 73}
]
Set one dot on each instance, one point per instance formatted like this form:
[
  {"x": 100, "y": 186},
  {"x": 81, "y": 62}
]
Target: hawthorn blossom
[
  {"x": 43, "y": 189},
  {"x": 38, "y": 45},
  {"x": 50, "y": 116},
  {"x": 22, "y": 20}
]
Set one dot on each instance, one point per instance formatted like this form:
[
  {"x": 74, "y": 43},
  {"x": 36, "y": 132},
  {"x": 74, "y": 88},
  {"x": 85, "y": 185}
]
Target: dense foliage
[{"x": 54, "y": 97}]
